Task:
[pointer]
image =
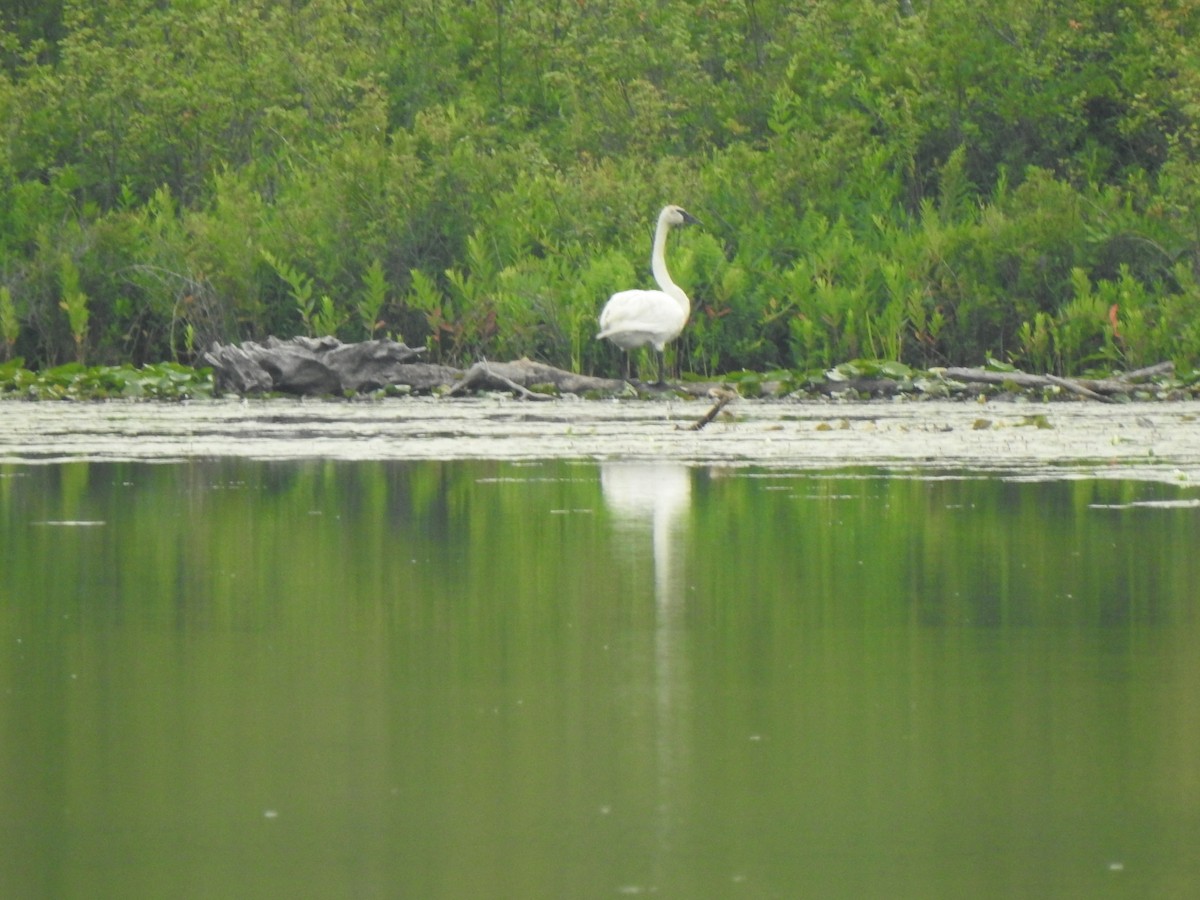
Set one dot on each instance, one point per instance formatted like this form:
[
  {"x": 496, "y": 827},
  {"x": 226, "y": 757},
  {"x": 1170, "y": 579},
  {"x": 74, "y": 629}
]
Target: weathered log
[
  {"x": 523, "y": 374},
  {"x": 326, "y": 366},
  {"x": 871, "y": 386},
  {"x": 1025, "y": 380},
  {"x": 1148, "y": 372},
  {"x": 987, "y": 376},
  {"x": 316, "y": 366}
]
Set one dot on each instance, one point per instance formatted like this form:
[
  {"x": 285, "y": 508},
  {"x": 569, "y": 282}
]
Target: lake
[
  {"x": 595, "y": 677},
  {"x": 281, "y": 667}
]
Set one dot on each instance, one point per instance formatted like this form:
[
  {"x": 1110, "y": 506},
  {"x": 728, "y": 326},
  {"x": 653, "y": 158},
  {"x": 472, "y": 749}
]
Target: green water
[{"x": 427, "y": 680}]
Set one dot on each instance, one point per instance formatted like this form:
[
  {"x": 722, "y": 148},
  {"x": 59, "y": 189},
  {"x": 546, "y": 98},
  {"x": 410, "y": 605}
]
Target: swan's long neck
[{"x": 658, "y": 265}]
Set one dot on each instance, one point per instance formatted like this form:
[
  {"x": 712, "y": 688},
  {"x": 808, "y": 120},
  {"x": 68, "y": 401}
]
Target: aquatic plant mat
[{"x": 1156, "y": 441}]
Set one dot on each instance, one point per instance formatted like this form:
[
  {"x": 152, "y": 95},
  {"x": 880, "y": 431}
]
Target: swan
[{"x": 632, "y": 319}]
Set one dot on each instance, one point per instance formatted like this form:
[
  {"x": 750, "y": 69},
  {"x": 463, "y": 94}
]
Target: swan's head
[{"x": 677, "y": 215}]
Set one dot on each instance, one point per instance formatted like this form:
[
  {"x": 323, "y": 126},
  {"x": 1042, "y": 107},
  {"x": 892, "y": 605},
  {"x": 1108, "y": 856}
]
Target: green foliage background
[{"x": 923, "y": 181}]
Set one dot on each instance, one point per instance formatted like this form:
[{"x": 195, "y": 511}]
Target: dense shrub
[{"x": 927, "y": 182}]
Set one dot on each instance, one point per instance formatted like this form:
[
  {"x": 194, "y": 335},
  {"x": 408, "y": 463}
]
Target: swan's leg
[{"x": 662, "y": 367}]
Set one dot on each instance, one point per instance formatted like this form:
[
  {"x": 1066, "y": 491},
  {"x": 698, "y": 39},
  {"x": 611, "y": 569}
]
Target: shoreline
[{"x": 1155, "y": 440}]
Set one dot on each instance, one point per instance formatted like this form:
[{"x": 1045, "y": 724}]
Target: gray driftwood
[
  {"x": 316, "y": 366},
  {"x": 524, "y": 375},
  {"x": 325, "y": 366},
  {"x": 1102, "y": 389},
  {"x": 723, "y": 396}
]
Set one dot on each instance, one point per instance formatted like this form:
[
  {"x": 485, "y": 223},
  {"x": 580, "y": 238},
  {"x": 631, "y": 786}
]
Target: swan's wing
[{"x": 651, "y": 313}]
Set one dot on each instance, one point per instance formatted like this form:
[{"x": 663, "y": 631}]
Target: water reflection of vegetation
[
  {"x": 946, "y": 551},
  {"x": 833, "y": 549},
  {"x": 468, "y": 668}
]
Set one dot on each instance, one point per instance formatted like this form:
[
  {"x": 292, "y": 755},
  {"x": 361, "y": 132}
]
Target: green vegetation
[
  {"x": 75, "y": 381},
  {"x": 10, "y": 325},
  {"x": 929, "y": 183}
]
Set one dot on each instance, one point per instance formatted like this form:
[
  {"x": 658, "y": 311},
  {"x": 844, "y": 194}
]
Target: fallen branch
[
  {"x": 482, "y": 376},
  {"x": 870, "y": 386},
  {"x": 1148, "y": 372},
  {"x": 1076, "y": 388},
  {"x": 1026, "y": 380},
  {"x": 723, "y": 398},
  {"x": 524, "y": 374}
]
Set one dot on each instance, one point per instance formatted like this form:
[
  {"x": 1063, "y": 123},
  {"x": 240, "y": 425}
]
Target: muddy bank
[{"x": 1157, "y": 441}]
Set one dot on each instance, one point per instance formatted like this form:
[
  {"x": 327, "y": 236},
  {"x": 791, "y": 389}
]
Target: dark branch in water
[{"x": 723, "y": 398}]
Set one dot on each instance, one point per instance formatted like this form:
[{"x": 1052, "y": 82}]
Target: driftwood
[
  {"x": 316, "y": 366},
  {"x": 326, "y": 366},
  {"x": 1156, "y": 371},
  {"x": 1024, "y": 380},
  {"x": 523, "y": 375},
  {"x": 950, "y": 381},
  {"x": 723, "y": 397},
  {"x": 869, "y": 386},
  {"x": 1101, "y": 389}
]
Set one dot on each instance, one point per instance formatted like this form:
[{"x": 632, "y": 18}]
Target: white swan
[{"x": 632, "y": 319}]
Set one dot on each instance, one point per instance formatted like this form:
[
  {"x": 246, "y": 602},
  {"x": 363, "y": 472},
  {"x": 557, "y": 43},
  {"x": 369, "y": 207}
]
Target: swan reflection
[
  {"x": 651, "y": 503},
  {"x": 653, "y": 497}
]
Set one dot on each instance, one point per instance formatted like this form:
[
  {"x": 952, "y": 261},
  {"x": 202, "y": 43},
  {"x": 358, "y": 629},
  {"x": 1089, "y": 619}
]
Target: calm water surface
[{"x": 432, "y": 680}]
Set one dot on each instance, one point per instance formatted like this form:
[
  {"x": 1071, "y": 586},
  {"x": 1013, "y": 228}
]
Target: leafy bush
[{"x": 930, "y": 182}]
